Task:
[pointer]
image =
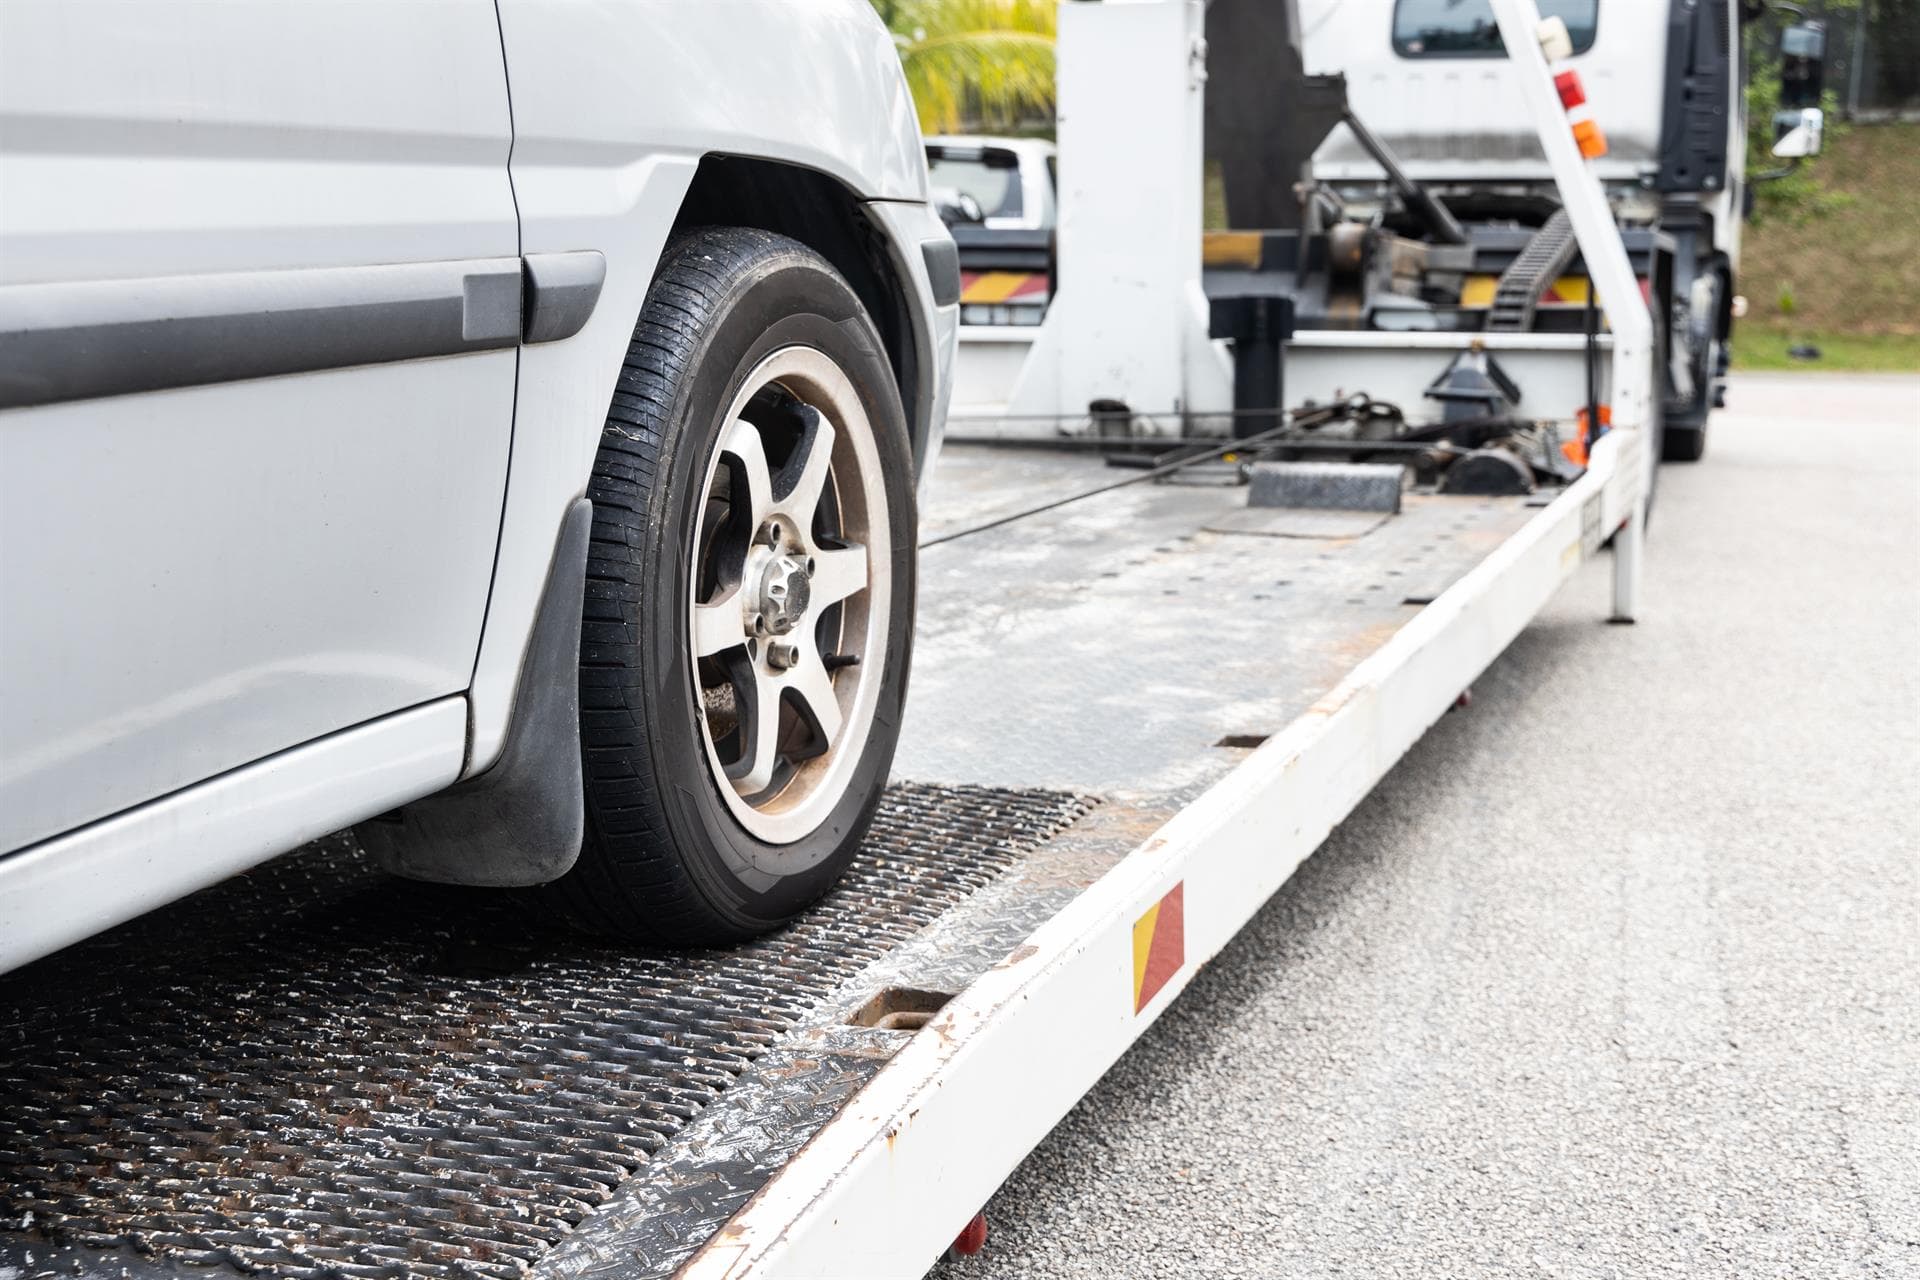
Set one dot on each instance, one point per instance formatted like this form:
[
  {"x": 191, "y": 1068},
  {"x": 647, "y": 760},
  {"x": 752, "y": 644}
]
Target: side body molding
[
  {"x": 561, "y": 291},
  {"x": 94, "y": 338}
]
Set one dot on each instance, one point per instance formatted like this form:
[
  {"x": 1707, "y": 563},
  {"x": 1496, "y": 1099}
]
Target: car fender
[{"x": 614, "y": 105}]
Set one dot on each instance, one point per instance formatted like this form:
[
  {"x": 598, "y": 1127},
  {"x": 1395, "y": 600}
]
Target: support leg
[{"x": 1626, "y": 566}]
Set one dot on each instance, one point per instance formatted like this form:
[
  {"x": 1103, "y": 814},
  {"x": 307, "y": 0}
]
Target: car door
[{"x": 259, "y": 307}]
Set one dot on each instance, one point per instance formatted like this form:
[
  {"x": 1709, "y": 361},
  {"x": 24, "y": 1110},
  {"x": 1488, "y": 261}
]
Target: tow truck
[
  {"x": 1141, "y": 701},
  {"x": 1392, "y": 189}
]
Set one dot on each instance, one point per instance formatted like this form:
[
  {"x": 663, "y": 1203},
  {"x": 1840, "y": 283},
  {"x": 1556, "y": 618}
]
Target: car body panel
[
  {"x": 195, "y": 578},
  {"x": 79, "y": 883}
]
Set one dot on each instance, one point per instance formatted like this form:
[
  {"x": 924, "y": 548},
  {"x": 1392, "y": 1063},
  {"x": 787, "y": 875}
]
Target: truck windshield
[{"x": 1466, "y": 29}]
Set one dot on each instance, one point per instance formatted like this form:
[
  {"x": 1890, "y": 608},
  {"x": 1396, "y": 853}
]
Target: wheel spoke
[
  {"x": 753, "y": 772},
  {"x": 812, "y": 461},
  {"x": 810, "y": 680},
  {"x": 744, "y": 446},
  {"x": 790, "y": 575},
  {"x": 719, "y": 626},
  {"x": 837, "y": 575}
]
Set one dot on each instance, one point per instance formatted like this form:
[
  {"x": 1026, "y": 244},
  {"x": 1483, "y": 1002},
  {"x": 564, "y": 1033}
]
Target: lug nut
[{"x": 782, "y": 655}]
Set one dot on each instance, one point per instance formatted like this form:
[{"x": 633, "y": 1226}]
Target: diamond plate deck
[
  {"x": 690, "y": 1190},
  {"x": 315, "y": 1070},
  {"x": 1108, "y": 645}
]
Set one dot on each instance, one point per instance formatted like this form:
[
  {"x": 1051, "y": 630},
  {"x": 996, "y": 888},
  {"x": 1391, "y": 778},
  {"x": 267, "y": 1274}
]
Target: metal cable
[{"x": 1155, "y": 473}]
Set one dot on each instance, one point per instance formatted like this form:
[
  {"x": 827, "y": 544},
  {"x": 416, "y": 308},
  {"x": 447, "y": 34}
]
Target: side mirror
[
  {"x": 1796, "y": 134},
  {"x": 1798, "y": 123},
  {"x": 1803, "y": 52},
  {"x": 957, "y": 208}
]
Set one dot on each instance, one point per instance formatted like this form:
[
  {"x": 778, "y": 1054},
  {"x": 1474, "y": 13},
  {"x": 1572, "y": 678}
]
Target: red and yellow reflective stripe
[
  {"x": 1001, "y": 286},
  {"x": 1159, "y": 945},
  {"x": 1476, "y": 292}
]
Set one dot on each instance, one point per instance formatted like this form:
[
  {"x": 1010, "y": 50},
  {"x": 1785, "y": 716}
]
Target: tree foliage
[{"x": 985, "y": 62}]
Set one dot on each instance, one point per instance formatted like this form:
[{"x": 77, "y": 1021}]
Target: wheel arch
[{"x": 821, "y": 213}]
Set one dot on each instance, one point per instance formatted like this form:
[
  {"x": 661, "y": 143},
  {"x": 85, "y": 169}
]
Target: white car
[
  {"x": 1003, "y": 184},
  {"x": 493, "y": 425},
  {"x": 998, "y": 198}
]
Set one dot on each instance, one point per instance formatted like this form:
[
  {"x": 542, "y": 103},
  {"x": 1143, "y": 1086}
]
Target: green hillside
[{"x": 1846, "y": 279}]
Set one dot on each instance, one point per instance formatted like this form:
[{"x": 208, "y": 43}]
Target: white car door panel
[
  {"x": 260, "y": 301},
  {"x": 168, "y": 137}
]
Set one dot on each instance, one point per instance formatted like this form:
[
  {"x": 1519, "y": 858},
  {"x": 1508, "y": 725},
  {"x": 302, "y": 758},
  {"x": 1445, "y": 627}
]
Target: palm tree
[{"x": 990, "y": 60}]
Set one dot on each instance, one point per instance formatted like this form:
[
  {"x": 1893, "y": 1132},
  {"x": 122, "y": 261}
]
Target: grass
[
  {"x": 1757, "y": 348},
  {"x": 1847, "y": 279}
]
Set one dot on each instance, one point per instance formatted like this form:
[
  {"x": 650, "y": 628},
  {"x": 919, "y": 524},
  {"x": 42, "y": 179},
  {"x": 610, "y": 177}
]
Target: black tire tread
[
  {"x": 629, "y": 881},
  {"x": 1683, "y": 444}
]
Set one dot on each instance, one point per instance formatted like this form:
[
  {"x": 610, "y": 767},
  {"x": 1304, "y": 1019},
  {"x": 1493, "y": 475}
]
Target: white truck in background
[
  {"x": 1666, "y": 82},
  {"x": 1386, "y": 193},
  {"x": 996, "y": 196}
]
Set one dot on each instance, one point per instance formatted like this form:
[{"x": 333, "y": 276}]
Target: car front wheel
[{"x": 750, "y": 588}]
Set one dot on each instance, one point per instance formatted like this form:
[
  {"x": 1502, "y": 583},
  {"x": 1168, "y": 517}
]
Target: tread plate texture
[{"x": 317, "y": 1070}]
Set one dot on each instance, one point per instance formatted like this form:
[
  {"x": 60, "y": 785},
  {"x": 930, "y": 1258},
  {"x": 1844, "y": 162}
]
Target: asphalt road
[{"x": 1617, "y": 974}]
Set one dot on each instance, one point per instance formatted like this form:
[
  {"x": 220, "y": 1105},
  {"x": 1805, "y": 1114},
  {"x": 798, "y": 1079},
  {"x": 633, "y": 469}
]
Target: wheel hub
[
  {"x": 785, "y": 591},
  {"x": 788, "y": 622}
]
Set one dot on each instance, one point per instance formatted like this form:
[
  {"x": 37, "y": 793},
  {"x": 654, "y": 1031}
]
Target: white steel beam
[
  {"x": 1586, "y": 204},
  {"x": 1592, "y": 217},
  {"x": 883, "y": 1188},
  {"x": 1632, "y": 393},
  {"x": 1129, "y": 321}
]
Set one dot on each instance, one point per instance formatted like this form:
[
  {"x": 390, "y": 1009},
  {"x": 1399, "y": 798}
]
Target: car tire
[{"x": 747, "y": 628}]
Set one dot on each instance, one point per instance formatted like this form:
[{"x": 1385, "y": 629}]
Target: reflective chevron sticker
[
  {"x": 1159, "y": 945},
  {"x": 1003, "y": 286}
]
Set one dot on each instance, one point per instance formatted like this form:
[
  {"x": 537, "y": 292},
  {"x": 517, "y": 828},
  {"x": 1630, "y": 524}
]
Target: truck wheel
[
  {"x": 1686, "y": 440},
  {"x": 1683, "y": 444},
  {"x": 750, "y": 592}
]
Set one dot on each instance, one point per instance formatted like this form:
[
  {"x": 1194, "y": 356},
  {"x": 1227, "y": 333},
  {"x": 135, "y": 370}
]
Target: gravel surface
[{"x": 1617, "y": 974}]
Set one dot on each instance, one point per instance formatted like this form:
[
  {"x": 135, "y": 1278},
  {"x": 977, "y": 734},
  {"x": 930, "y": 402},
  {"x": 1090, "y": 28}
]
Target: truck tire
[
  {"x": 1685, "y": 440},
  {"x": 1683, "y": 444},
  {"x": 750, "y": 589}
]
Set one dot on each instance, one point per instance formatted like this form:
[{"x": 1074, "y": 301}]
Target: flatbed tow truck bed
[{"x": 1132, "y": 717}]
